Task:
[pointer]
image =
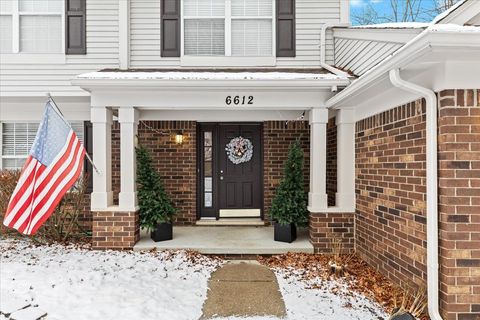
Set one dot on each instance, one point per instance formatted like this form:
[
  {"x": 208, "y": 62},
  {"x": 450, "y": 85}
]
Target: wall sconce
[{"x": 179, "y": 138}]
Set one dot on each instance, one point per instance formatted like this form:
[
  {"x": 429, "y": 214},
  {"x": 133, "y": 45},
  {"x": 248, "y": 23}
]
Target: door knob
[
  {"x": 221, "y": 177},
  {"x": 221, "y": 171}
]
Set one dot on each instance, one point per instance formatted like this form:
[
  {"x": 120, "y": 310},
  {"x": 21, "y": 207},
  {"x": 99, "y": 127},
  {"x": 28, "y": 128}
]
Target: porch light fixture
[{"x": 179, "y": 138}]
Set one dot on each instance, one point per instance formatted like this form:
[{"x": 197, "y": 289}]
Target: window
[
  {"x": 17, "y": 139},
  {"x": 31, "y": 26},
  {"x": 228, "y": 27}
]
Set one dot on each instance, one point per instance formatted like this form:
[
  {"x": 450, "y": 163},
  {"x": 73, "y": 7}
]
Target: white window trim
[
  {"x": 26, "y": 56},
  {"x": 227, "y": 60}
]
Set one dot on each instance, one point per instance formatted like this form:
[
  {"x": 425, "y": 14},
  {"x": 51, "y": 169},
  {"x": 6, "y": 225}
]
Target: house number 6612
[{"x": 238, "y": 100}]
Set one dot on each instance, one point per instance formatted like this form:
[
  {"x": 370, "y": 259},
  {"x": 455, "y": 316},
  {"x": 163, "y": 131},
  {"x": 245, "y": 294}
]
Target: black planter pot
[
  {"x": 163, "y": 231},
  {"x": 285, "y": 233}
]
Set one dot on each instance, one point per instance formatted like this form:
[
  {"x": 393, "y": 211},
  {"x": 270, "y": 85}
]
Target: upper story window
[
  {"x": 31, "y": 26},
  {"x": 228, "y": 27}
]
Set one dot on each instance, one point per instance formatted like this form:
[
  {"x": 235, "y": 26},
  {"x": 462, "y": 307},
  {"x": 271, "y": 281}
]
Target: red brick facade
[
  {"x": 115, "y": 230},
  {"x": 277, "y": 137},
  {"x": 390, "y": 228},
  {"x": 331, "y": 161},
  {"x": 176, "y": 163},
  {"x": 325, "y": 227},
  {"x": 459, "y": 203}
]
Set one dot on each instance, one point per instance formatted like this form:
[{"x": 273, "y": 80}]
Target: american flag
[{"x": 52, "y": 167}]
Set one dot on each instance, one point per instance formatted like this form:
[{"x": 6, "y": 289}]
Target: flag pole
[{"x": 60, "y": 112}]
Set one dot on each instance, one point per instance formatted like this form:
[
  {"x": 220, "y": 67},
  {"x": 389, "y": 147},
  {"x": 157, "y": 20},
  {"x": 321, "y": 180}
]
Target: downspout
[
  {"x": 432, "y": 185},
  {"x": 323, "y": 35}
]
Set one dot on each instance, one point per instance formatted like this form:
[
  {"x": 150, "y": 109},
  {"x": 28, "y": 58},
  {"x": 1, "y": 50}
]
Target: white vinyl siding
[
  {"x": 17, "y": 139},
  {"x": 310, "y": 17},
  {"x": 36, "y": 78}
]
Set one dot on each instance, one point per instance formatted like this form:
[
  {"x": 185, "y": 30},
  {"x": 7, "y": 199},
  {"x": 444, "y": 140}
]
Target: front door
[{"x": 231, "y": 173}]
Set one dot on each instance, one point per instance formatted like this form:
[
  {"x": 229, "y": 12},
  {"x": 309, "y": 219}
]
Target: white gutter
[
  {"x": 323, "y": 36},
  {"x": 432, "y": 191}
]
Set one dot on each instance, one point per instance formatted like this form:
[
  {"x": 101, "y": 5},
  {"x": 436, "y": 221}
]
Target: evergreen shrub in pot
[
  {"x": 289, "y": 206},
  {"x": 156, "y": 208}
]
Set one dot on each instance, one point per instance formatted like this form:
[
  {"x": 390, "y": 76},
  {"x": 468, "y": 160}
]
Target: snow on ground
[
  {"x": 317, "y": 299},
  {"x": 74, "y": 283},
  {"x": 71, "y": 283}
]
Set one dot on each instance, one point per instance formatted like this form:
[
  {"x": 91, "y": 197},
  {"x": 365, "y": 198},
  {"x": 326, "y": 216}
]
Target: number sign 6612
[{"x": 238, "y": 100}]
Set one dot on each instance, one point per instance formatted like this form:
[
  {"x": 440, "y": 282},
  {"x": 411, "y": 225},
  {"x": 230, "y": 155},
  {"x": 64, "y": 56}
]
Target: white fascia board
[
  {"x": 462, "y": 14},
  {"x": 414, "y": 51},
  {"x": 381, "y": 35}
]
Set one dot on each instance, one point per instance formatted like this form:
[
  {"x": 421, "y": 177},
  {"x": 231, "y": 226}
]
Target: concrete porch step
[
  {"x": 231, "y": 222},
  {"x": 231, "y": 240}
]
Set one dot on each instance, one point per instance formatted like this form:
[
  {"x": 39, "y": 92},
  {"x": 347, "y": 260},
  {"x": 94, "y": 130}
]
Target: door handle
[{"x": 221, "y": 177}]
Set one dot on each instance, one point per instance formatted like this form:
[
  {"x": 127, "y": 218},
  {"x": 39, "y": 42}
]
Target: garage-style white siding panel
[{"x": 37, "y": 78}]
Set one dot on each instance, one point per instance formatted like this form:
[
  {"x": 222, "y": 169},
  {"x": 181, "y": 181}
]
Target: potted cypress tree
[
  {"x": 289, "y": 206},
  {"x": 156, "y": 208}
]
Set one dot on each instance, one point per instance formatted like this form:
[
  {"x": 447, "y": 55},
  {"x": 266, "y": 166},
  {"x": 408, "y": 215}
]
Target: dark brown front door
[{"x": 226, "y": 189}]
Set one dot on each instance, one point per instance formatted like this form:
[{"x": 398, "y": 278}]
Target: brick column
[
  {"x": 325, "y": 226},
  {"x": 459, "y": 203},
  {"x": 115, "y": 230}
]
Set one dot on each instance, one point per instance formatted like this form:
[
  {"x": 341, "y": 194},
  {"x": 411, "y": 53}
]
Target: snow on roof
[
  {"x": 444, "y": 14},
  {"x": 454, "y": 28},
  {"x": 394, "y": 25},
  {"x": 206, "y": 75}
]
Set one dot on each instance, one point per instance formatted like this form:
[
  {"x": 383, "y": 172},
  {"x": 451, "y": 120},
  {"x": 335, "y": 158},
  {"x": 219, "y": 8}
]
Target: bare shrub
[
  {"x": 63, "y": 224},
  {"x": 8, "y": 182}
]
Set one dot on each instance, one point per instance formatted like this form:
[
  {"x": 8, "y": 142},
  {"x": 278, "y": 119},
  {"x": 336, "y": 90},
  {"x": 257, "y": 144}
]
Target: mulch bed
[{"x": 359, "y": 276}]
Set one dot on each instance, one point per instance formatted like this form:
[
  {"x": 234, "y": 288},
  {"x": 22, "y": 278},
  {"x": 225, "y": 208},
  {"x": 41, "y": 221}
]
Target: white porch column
[
  {"x": 102, "y": 195},
  {"x": 128, "y": 119},
  {"x": 317, "y": 197},
  {"x": 345, "y": 196}
]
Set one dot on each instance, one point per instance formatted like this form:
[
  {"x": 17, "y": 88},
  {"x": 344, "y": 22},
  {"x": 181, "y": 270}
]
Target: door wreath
[{"x": 239, "y": 150}]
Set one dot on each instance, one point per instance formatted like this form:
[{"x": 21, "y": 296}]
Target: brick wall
[
  {"x": 391, "y": 192},
  {"x": 325, "y": 227},
  {"x": 176, "y": 163},
  {"x": 115, "y": 230},
  {"x": 277, "y": 139},
  {"x": 459, "y": 203},
  {"x": 331, "y": 161}
]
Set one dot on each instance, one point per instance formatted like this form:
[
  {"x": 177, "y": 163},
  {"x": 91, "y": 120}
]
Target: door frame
[{"x": 215, "y": 156}]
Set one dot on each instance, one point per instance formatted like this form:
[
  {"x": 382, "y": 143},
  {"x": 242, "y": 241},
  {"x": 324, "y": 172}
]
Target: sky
[{"x": 383, "y": 9}]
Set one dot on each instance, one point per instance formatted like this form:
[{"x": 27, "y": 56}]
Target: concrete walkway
[
  {"x": 243, "y": 289},
  {"x": 227, "y": 240}
]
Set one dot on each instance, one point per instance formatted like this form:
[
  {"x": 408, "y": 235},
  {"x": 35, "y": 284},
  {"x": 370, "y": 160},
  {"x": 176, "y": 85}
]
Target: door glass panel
[
  {"x": 208, "y": 184},
  {"x": 208, "y": 199},
  {"x": 208, "y": 169},
  {"x": 208, "y": 138},
  {"x": 208, "y": 153}
]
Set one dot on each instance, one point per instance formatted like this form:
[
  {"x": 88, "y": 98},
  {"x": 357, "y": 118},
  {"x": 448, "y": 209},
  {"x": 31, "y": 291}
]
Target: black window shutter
[
  {"x": 285, "y": 28},
  {"x": 170, "y": 28},
  {"x": 88, "y": 143},
  {"x": 75, "y": 26}
]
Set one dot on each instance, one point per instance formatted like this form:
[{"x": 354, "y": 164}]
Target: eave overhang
[{"x": 430, "y": 48}]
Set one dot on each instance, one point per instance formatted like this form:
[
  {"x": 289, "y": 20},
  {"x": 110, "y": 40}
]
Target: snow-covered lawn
[
  {"x": 71, "y": 283},
  {"x": 75, "y": 283}
]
